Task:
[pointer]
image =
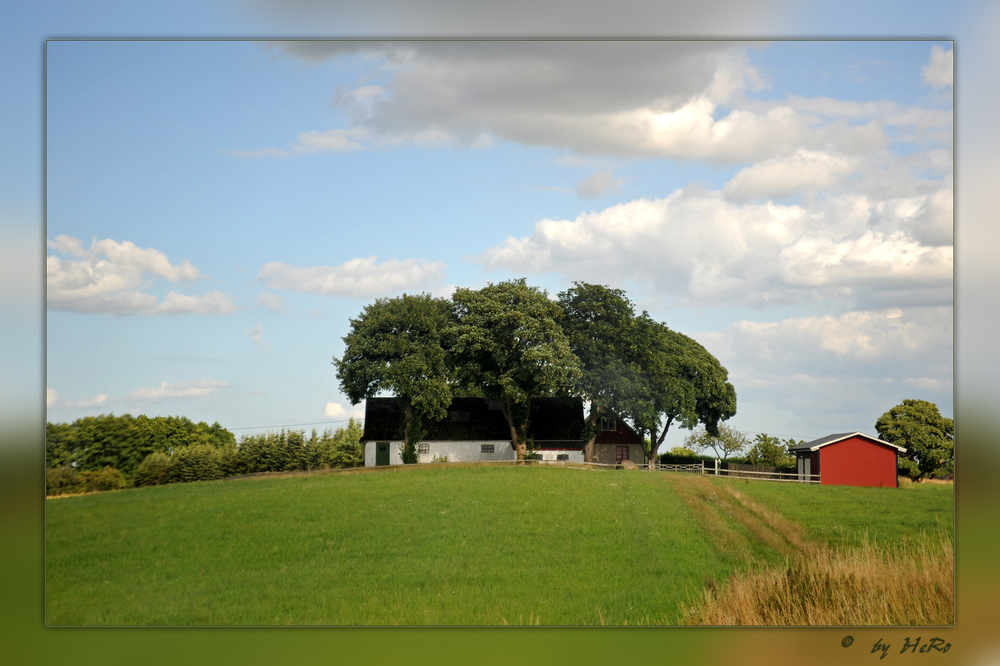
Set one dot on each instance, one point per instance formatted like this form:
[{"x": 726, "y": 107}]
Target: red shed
[{"x": 848, "y": 459}]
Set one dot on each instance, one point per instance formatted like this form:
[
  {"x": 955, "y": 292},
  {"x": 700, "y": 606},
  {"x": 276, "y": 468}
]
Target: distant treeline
[{"x": 111, "y": 452}]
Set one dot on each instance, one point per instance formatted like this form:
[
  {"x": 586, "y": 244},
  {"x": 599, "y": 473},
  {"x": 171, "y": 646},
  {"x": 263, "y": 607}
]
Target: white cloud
[
  {"x": 214, "y": 302},
  {"x": 334, "y": 410},
  {"x": 252, "y": 154},
  {"x": 357, "y": 278},
  {"x": 334, "y": 140},
  {"x": 256, "y": 334},
  {"x": 109, "y": 277},
  {"x": 864, "y": 336},
  {"x": 701, "y": 248},
  {"x": 834, "y": 367},
  {"x": 939, "y": 72},
  {"x": 199, "y": 388},
  {"x": 270, "y": 301},
  {"x": 598, "y": 183},
  {"x": 805, "y": 171},
  {"x": 50, "y": 397},
  {"x": 100, "y": 400}
]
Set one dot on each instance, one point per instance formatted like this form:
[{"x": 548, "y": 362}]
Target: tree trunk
[
  {"x": 516, "y": 434},
  {"x": 651, "y": 462},
  {"x": 588, "y": 448}
]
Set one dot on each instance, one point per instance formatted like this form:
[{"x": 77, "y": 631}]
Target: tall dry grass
[{"x": 910, "y": 584}]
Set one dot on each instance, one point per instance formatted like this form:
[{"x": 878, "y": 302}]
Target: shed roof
[
  {"x": 817, "y": 444},
  {"x": 480, "y": 420}
]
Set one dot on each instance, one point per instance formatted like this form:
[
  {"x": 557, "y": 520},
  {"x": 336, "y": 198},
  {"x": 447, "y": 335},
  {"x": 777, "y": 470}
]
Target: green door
[{"x": 382, "y": 453}]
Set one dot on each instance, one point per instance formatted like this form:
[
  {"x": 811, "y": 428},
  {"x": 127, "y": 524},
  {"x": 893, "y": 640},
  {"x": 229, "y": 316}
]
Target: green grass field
[{"x": 441, "y": 545}]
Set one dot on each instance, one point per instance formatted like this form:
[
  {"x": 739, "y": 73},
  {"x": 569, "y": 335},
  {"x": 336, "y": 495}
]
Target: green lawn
[
  {"x": 429, "y": 546},
  {"x": 841, "y": 516}
]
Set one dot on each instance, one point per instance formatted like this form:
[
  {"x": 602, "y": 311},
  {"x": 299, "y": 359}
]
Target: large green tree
[
  {"x": 928, "y": 437},
  {"x": 681, "y": 383},
  {"x": 399, "y": 345},
  {"x": 598, "y": 322},
  {"x": 508, "y": 345}
]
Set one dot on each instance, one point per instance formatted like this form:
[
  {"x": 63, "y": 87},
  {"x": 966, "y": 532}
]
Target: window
[
  {"x": 609, "y": 423},
  {"x": 423, "y": 448},
  {"x": 562, "y": 456},
  {"x": 461, "y": 417},
  {"x": 621, "y": 453},
  {"x": 486, "y": 448}
]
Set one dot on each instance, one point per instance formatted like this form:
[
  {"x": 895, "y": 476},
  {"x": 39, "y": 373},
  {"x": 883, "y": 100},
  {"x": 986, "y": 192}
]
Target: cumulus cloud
[
  {"x": 99, "y": 400},
  {"x": 837, "y": 366},
  {"x": 336, "y": 411},
  {"x": 701, "y": 248},
  {"x": 199, "y": 388},
  {"x": 939, "y": 72},
  {"x": 682, "y": 100},
  {"x": 109, "y": 276},
  {"x": 51, "y": 398},
  {"x": 357, "y": 278},
  {"x": 598, "y": 183},
  {"x": 779, "y": 177}
]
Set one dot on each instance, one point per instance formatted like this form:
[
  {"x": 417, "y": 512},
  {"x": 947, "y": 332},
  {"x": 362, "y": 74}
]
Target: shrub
[
  {"x": 195, "y": 463},
  {"x": 61, "y": 480},
  {"x": 108, "y": 478},
  {"x": 154, "y": 470}
]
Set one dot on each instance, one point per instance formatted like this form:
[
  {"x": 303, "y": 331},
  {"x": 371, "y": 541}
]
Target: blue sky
[{"x": 213, "y": 208}]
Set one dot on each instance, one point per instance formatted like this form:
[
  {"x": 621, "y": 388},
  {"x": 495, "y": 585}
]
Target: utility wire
[{"x": 296, "y": 425}]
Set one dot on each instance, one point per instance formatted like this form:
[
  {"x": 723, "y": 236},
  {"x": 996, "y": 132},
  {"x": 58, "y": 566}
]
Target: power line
[{"x": 296, "y": 425}]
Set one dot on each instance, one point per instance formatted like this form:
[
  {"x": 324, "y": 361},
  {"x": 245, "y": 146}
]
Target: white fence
[{"x": 696, "y": 468}]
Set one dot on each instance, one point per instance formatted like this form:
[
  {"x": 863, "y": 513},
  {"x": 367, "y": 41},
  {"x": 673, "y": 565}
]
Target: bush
[
  {"x": 62, "y": 480},
  {"x": 154, "y": 470},
  {"x": 195, "y": 463},
  {"x": 108, "y": 478}
]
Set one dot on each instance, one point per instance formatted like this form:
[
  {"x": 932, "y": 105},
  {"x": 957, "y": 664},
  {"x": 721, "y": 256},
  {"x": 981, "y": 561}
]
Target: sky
[{"x": 218, "y": 210}]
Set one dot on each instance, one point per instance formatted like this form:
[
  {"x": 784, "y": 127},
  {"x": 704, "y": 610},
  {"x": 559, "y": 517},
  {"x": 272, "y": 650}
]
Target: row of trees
[
  {"x": 731, "y": 444},
  {"x": 75, "y": 469},
  {"x": 511, "y": 342},
  {"x": 122, "y": 442}
]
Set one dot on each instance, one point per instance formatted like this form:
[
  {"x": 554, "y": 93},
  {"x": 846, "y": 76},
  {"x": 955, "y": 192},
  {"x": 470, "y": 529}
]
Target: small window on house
[
  {"x": 609, "y": 423},
  {"x": 460, "y": 416},
  {"x": 423, "y": 448},
  {"x": 486, "y": 448},
  {"x": 562, "y": 456},
  {"x": 621, "y": 453}
]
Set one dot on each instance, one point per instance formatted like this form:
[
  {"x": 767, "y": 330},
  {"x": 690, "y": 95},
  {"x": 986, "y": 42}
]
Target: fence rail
[
  {"x": 696, "y": 468},
  {"x": 754, "y": 475}
]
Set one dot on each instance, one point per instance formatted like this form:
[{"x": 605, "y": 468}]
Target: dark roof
[
  {"x": 833, "y": 439},
  {"x": 480, "y": 419}
]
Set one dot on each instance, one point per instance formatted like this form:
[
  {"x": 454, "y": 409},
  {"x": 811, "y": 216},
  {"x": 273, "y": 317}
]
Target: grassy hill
[{"x": 445, "y": 545}]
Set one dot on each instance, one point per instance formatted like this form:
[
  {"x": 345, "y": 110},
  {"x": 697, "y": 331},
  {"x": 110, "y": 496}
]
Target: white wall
[
  {"x": 574, "y": 456},
  {"x": 455, "y": 452}
]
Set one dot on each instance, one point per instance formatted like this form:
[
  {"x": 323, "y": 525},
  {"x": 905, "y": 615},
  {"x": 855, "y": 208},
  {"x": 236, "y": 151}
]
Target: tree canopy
[
  {"x": 928, "y": 437},
  {"x": 398, "y": 345},
  {"x": 598, "y": 322},
  {"x": 681, "y": 382},
  {"x": 725, "y": 444},
  {"x": 508, "y": 345}
]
